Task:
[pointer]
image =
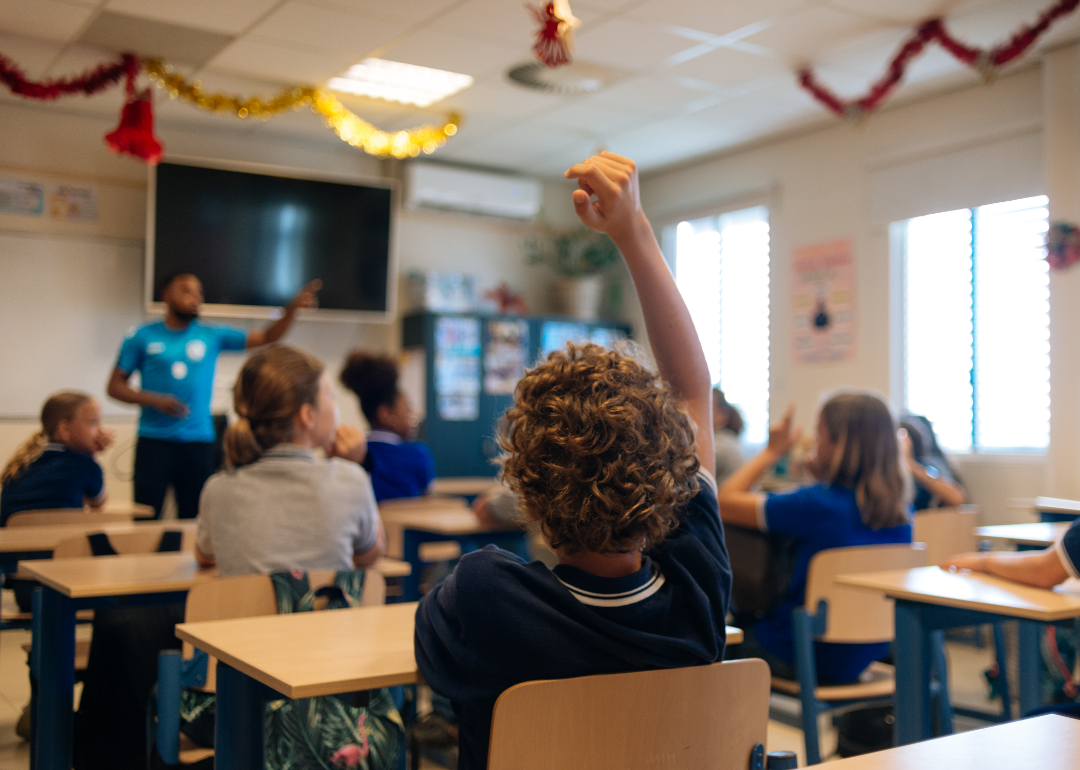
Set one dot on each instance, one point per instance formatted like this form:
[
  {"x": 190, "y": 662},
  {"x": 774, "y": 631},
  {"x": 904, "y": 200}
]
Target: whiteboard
[{"x": 66, "y": 304}]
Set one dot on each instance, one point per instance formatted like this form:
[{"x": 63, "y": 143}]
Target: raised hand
[
  {"x": 349, "y": 444},
  {"x": 784, "y": 434},
  {"x": 613, "y": 179},
  {"x": 307, "y": 297}
]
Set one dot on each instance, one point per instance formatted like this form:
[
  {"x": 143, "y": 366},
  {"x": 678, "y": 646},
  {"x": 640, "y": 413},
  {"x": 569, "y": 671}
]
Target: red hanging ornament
[
  {"x": 509, "y": 301},
  {"x": 555, "y": 38},
  {"x": 135, "y": 134}
]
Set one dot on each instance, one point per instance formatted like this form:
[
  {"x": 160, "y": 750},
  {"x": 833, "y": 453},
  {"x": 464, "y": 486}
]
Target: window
[
  {"x": 722, "y": 270},
  {"x": 976, "y": 325}
]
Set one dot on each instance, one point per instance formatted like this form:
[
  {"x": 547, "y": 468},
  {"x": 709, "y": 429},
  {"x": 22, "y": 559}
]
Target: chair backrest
[
  {"x": 142, "y": 540},
  {"x": 946, "y": 531},
  {"x": 65, "y": 516},
  {"x": 249, "y": 596},
  {"x": 857, "y": 616},
  {"x": 704, "y": 716}
]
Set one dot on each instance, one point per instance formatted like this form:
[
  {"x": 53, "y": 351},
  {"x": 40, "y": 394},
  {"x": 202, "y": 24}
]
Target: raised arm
[
  {"x": 617, "y": 211},
  {"x": 275, "y": 331},
  {"x": 738, "y": 505}
]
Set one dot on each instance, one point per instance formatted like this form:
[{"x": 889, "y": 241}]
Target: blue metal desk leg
[
  {"x": 410, "y": 551},
  {"x": 912, "y": 675},
  {"x": 1030, "y": 666},
  {"x": 54, "y": 652},
  {"x": 241, "y": 709}
]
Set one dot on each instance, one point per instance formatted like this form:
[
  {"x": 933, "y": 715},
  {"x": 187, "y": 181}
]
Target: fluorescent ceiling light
[{"x": 398, "y": 82}]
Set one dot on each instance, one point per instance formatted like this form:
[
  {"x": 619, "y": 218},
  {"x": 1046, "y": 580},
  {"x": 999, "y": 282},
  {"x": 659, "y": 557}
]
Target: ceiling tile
[
  {"x": 44, "y": 19},
  {"x": 649, "y": 94},
  {"x": 446, "y": 51},
  {"x": 482, "y": 19},
  {"x": 589, "y": 118},
  {"x": 415, "y": 12},
  {"x": 495, "y": 97},
  {"x": 231, "y": 18},
  {"x": 715, "y": 18},
  {"x": 276, "y": 62},
  {"x": 725, "y": 67},
  {"x": 809, "y": 35},
  {"x": 327, "y": 31},
  {"x": 632, "y": 45},
  {"x": 910, "y": 11},
  {"x": 31, "y": 55},
  {"x": 174, "y": 43}
]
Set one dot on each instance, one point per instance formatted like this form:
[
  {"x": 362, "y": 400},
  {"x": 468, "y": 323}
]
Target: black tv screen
[{"x": 254, "y": 240}]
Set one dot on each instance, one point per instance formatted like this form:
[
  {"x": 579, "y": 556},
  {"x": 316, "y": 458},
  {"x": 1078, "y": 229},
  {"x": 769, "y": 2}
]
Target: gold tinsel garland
[{"x": 350, "y": 127}]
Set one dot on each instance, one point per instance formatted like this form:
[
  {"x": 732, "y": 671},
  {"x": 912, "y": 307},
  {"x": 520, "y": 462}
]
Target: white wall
[
  {"x": 819, "y": 189},
  {"x": 57, "y": 143}
]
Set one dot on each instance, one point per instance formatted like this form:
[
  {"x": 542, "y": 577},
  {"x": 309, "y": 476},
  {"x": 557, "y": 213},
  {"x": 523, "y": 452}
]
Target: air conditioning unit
[{"x": 431, "y": 186}]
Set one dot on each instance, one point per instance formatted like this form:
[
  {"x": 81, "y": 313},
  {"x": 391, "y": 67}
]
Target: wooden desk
[
  {"x": 392, "y": 567},
  {"x": 1046, "y": 743},
  {"x": 70, "y": 585},
  {"x": 464, "y": 485},
  {"x": 431, "y": 522},
  {"x": 1041, "y": 534},
  {"x": 303, "y": 656},
  {"x": 1056, "y": 509},
  {"x": 929, "y": 599},
  {"x": 128, "y": 508},
  {"x": 34, "y": 540}
]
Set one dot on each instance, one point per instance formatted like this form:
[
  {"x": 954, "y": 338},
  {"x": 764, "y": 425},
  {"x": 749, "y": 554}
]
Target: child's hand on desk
[
  {"x": 973, "y": 561},
  {"x": 349, "y": 444},
  {"x": 613, "y": 179}
]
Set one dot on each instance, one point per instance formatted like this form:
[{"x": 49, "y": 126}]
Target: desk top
[
  {"x": 1056, "y": 505},
  {"x": 464, "y": 485},
  {"x": 127, "y": 508},
  {"x": 316, "y": 653},
  {"x": 1041, "y": 534},
  {"x": 392, "y": 567},
  {"x": 117, "y": 575},
  {"x": 1048, "y": 743},
  {"x": 458, "y": 521},
  {"x": 973, "y": 591},
  {"x": 45, "y": 538},
  {"x": 321, "y": 653}
]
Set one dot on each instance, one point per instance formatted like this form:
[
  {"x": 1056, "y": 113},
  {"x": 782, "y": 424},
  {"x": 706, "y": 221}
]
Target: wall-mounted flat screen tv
[{"x": 255, "y": 239}]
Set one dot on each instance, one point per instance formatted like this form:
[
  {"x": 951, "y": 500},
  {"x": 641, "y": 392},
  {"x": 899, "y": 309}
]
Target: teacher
[{"x": 176, "y": 359}]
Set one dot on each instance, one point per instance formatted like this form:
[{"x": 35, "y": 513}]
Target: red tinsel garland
[
  {"x": 983, "y": 59},
  {"x": 97, "y": 79}
]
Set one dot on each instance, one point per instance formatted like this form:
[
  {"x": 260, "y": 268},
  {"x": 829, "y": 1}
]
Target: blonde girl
[
  {"x": 55, "y": 467},
  {"x": 861, "y": 499}
]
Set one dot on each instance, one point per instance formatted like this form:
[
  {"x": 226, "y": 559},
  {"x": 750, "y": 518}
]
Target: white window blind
[
  {"x": 976, "y": 310},
  {"x": 722, "y": 270}
]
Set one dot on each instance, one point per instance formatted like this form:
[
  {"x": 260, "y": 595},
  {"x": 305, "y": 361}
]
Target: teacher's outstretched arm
[{"x": 306, "y": 298}]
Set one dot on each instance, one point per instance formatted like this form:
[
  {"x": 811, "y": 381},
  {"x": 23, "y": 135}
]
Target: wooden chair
[
  {"x": 946, "y": 532},
  {"x": 245, "y": 596},
  {"x": 65, "y": 516},
  {"x": 848, "y": 616},
  {"x": 711, "y": 716}
]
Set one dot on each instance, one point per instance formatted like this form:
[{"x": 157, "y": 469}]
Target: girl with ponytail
[{"x": 55, "y": 467}]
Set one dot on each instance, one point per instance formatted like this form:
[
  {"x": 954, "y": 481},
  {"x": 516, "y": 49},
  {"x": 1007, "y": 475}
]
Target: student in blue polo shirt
[
  {"x": 602, "y": 453},
  {"x": 861, "y": 500},
  {"x": 176, "y": 359},
  {"x": 399, "y": 465}
]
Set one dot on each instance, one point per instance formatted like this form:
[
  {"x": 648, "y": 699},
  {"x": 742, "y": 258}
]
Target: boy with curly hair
[{"x": 610, "y": 460}]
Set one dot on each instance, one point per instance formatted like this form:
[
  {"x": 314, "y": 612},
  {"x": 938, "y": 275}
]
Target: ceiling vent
[{"x": 575, "y": 78}]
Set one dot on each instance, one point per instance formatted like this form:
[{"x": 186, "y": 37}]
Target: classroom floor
[{"x": 966, "y": 664}]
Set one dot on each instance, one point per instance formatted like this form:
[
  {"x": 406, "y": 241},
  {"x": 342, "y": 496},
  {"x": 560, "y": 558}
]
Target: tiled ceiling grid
[{"x": 691, "y": 76}]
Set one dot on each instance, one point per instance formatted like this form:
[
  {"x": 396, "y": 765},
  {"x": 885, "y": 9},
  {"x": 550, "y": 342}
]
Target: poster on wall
[
  {"x": 457, "y": 368},
  {"x": 74, "y": 204},
  {"x": 25, "y": 199},
  {"x": 506, "y": 348},
  {"x": 823, "y": 303}
]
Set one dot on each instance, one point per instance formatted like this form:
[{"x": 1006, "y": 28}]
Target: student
[
  {"x": 727, "y": 427},
  {"x": 859, "y": 501},
  {"x": 176, "y": 358},
  {"x": 279, "y": 506},
  {"x": 399, "y": 465},
  {"x": 936, "y": 483},
  {"x": 55, "y": 467},
  {"x": 602, "y": 453}
]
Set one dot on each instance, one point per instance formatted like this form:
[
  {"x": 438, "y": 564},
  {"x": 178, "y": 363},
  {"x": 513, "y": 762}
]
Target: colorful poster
[
  {"x": 823, "y": 303},
  {"x": 22, "y": 198},
  {"x": 457, "y": 368},
  {"x": 75, "y": 204},
  {"x": 506, "y": 348}
]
